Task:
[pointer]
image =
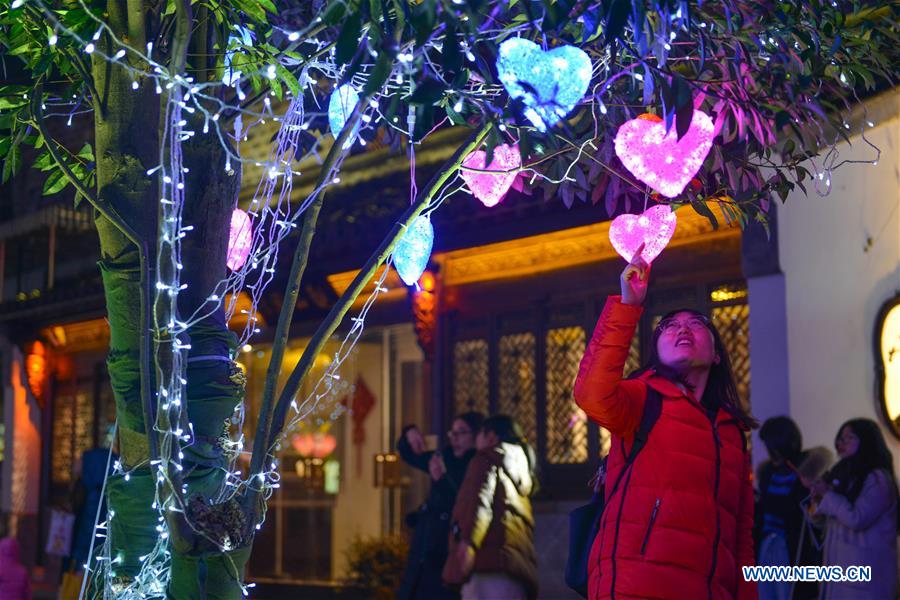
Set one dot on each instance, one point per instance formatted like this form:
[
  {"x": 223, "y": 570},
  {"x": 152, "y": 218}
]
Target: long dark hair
[
  {"x": 473, "y": 419},
  {"x": 509, "y": 431},
  {"x": 781, "y": 435},
  {"x": 849, "y": 475},
  {"x": 721, "y": 390}
]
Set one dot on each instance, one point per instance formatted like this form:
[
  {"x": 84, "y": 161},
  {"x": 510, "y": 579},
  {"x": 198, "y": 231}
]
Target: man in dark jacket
[
  {"x": 447, "y": 468},
  {"x": 780, "y": 522}
]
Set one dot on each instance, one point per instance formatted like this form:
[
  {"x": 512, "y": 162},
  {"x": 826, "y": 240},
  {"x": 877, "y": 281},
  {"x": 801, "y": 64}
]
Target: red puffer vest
[{"x": 679, "y": 524}]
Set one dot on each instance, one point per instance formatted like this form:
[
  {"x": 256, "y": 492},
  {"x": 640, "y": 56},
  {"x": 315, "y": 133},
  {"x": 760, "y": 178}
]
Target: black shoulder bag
[{"x": 584, "y": 521}]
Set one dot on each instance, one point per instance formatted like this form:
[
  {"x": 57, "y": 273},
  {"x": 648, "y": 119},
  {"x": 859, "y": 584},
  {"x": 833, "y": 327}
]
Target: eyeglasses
[
  {"x": 455, "y": 433},
  {"x": 673, "y": 325},
  {"x": 846, "y": 439}
]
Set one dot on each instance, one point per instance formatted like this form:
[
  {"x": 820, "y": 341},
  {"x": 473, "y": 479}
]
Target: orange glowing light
[
  {"x": 317, "y": 445},
  {"x": 427, "y": 282},
  {"x": 36, "y": 369}
]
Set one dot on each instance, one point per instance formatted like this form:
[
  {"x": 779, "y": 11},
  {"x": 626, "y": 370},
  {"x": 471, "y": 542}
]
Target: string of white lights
[{"x": 274, "y": 213}]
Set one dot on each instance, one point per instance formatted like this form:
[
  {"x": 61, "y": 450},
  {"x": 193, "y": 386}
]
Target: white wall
[
  {"x": 357, "y": 511},
  {"x": 361, "y": 509},
  {"x": 769, "y": 378},
  {"x": 834, "y": 287}
]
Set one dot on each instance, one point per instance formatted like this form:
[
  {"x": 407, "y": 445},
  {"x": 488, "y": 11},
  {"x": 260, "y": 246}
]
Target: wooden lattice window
[
  {"x": 517, "y": 389},
  {"x": 73, "y": 433},
  {"x": 567, "y": 427},
  {"x": 733, "y": 323},
  {"x": 471, "y": 386}
]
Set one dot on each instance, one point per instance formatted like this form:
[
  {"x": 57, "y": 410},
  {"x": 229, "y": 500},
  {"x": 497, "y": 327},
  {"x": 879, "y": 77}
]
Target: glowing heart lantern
[
  {"x": 654, "y": 228},
  {"x": 240, "y": 239},
  {"x": 549, "y": 83},
  {"x": 490, "y": 188},
  {"x": 660, "y": 159},
  {"x": 412, "y": 252},
  {"x": 341, "y": 105}
]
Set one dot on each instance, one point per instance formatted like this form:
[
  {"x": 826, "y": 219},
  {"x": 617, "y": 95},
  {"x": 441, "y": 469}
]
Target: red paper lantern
[
  {"x": 316, "y": 445},
  {"x": 36, "y": 370}
]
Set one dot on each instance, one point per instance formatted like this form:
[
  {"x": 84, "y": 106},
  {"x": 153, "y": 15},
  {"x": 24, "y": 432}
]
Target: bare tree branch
[
  {"x": 292, "y": 290},
  {"x": 335, "y": 316}
]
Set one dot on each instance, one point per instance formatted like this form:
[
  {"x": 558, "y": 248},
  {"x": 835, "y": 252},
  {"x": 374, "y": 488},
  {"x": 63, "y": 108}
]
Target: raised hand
[
  {"x": 415, "y": 440},
  {"x": 634, "y": 279},
  {"x": 436, "y": 467}
]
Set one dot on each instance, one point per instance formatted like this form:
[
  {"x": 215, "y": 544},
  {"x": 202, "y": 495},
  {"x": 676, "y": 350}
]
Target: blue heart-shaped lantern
[
  {"x": 341, "y": 105},
  {"x": 550, "y": 83},
  {"x": 412, "y": 252}
]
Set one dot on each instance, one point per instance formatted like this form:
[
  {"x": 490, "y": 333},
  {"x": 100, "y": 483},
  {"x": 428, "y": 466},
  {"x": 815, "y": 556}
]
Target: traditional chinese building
[{"x": 498, "y": 326}]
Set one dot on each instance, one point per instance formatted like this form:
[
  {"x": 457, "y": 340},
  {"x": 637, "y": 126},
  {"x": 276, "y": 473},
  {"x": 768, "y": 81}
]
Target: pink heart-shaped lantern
[
  {"x": 661, "y": 160},
  {"x": 488, "y": 187},
  {"x": 240, "y": 239},
  {"x": 654, "y": 228}
]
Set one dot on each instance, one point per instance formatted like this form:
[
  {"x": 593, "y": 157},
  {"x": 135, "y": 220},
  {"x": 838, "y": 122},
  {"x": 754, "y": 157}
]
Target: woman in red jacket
[{"x": 679, "y": 523}]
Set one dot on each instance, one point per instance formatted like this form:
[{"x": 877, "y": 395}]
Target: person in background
[
  {"x": 492, "y": 537},
  {"x": 15, "y": 583},
  {"x": 780, "y": 517},
  {"x": 858, "y": 497},
  {"x": 447, "y": 467},
  {"x": 90, "y": 473}
]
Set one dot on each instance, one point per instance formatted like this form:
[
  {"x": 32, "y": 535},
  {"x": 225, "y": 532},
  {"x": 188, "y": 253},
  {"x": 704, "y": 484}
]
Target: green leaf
[
  {"x": 269, "y": 6},
  {"x": 451, "y": 55},
  {"x": 86, "y": 152},
  {"x": 703, "y": 210},
  {"x": 334, "y": 12},
  {"x": 44, "y": 162},
  {"x": 401, "y": 10},
  {"x": 616, "y": 19},
  {"x": 7, "y": 102},
  {"x": 55, "y": 183},
  {"x": 252, "y": 8},
  {"x": 684, "y": 106},
  {"x": 455, "y": 117},
  {"x": 288, "y": 79},
  {"x": 13, "y": 162},
  {"x": 276, "y": 88},
  {"x": 555, "y": 16},
  {"x": 423, "y": 20},
  {"x": 348, "y": 40},
  {"x": 380, "y": 72}
]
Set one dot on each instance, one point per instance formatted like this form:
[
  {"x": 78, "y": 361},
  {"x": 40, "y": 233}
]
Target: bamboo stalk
[
  {"x": 381, "y": 254},
  {"x": 298, "y": 267}
]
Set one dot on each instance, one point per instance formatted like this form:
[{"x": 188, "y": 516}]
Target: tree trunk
[{"x": 127, "y": 141}]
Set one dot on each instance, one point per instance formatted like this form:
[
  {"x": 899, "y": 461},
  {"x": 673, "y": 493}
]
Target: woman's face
[
  {"x": 686, "y": 342},
  {"x": 462, "y": 438},
  {"x": 847, "y": 443}
]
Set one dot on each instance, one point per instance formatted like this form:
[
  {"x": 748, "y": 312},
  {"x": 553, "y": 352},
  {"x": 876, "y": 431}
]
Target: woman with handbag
[
  {"x": 678, "y": 516},
  {"x": 491, "y": 540}
]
